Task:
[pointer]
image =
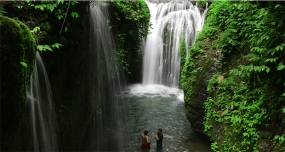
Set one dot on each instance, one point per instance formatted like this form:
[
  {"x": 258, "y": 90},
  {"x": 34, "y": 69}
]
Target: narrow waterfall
[
  {"x": 172, "y": 23},
  {"x": 42, "y": 112},
  {"x": 105, "y": 134}
]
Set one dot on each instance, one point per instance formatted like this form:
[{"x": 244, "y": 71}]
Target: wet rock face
[
  {"x": 195, "y": 111},
  {"x": 197, "y": 71}
]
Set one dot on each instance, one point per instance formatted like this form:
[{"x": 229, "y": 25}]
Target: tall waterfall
[
  {"x": 42, "y": 112},
  {"x": 172, "y": 23},
  {"x": 105, "y": 134}
]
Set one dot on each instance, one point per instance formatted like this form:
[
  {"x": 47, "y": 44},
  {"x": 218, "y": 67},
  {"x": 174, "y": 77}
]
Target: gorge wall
[{"x": 235, "y": 77}]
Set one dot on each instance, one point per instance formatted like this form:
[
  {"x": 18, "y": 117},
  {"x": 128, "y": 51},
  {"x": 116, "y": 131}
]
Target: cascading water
[
  {"x": 172, "y": 22},
  {"x": 105, "y": 134},
  {"x": 42, "y": 113},
  {"x": 158, "y": 102}
]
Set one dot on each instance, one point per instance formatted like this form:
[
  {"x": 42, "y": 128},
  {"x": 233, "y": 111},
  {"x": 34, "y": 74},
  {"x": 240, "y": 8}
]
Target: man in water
[
  {"x": 145, "y": 140},
  {"x": 159, "y": 137}
]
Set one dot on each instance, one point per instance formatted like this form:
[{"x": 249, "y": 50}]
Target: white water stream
[
  {"x": 172, "y": 23},
  {"x": 42, "y": 112}
]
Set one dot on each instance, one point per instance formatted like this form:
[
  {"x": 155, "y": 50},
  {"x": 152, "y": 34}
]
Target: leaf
[
  {"x": 281, "y": 139},
  {"x": 281, "y": 66},
  {"x": 40, "y": 47},
  {"x": 60, "y": 1},
  {"x": 59, "y": 17},
  {"x": 276, "y": 137},
  {"x": 24, "y": 64},
  {"x": 65, "y": 29},
  {"x": 267, "y": 69},
  {"x": 278, "y": 5},
  {"x": 271, "y": 60},
  {"x": 41, "y": 7},
  {"x": 50, "y": 7},
  {"x": 283, "y": 110},
  {"x": 56, "y": 45},
  {"x": 74, "y": 14},
  {"x": 74, "y": 2},
  {"x": 36, "y": 29},
  {"x": 279, "y": 47},
  {"x": 245, "y": 134},
  {"x": 44, "y": 48},
  {"x": 2, "y": 11}
]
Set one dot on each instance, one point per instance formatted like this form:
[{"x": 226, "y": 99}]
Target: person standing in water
[
  {"x": 145, "y": 140},
  {"x": 159, "y": 138}
]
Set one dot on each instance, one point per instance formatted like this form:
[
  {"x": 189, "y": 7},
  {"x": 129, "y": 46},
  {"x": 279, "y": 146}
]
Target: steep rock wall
[{"x": 244, "y": 107}]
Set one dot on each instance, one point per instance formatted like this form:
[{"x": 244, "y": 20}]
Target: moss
[
  {"x": 130, "y": 23},
  {"x": 17, "y": 46}
]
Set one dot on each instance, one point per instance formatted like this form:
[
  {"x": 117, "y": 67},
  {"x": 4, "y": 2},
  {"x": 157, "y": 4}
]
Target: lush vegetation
[
  {"x": 130, "y": 23},
  {"x": 243, "y": 45}
]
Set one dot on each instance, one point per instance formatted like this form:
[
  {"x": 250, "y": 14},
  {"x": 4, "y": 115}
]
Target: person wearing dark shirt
[{"x": 159, "y": 138}]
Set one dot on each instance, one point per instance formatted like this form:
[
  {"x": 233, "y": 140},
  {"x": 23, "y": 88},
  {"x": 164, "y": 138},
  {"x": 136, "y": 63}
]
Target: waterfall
[
  {"x": 172, "y": 23},
  {"x": 105, "y": 134},
  {"x": 42, "y": 113}
]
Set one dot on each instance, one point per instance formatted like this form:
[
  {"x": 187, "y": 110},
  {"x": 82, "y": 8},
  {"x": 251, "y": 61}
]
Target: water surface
[{"x": 149, "y": 107}]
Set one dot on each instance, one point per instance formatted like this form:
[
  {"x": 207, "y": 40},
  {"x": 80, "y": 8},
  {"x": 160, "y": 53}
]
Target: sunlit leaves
[
  {"x": 56, "y": 45},
  {"x": 24, "y": 64},
  {"x": 279, "y": 139},
  {"x": 44, "y": 48},
  {"x": 48, "y": 47},
  {"x": 74, "y": 14},
  {"x": 281, "y": 66}
]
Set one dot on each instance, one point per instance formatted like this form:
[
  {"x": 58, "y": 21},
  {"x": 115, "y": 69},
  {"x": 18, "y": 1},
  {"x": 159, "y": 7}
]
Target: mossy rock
[
  {"x": 197, "y": 70},
  {"x": 17, "y": 51}
]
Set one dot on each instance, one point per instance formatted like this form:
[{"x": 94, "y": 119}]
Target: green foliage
[
  {"x": 58, "y": 8},
  {"x": 248, "y": 90},
  {"x": 2, "y": 11},
  {"x": 74, "y": 14},
  {"x": 24, "y": 64},
  {"x": 182, "y": 50},
  {"x": 41, "y": 47},
  {"x": 214, "y": 146},
  {"x": 240, "y": 107},
  {"x": 130, "y": 22},
  {"x": 48, "y": 47},
  {"x": 202, "y": 3}
]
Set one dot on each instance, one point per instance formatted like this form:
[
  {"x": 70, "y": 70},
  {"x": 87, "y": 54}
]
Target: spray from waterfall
[
  {"x": 42, "y": 112},
  {"x": 172, "y": 23}
]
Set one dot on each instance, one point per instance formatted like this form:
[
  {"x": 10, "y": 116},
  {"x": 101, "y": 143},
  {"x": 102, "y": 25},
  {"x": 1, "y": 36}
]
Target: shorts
[
  {"x": 159, "y": 146},
  {"x": 145, "y": 146}
]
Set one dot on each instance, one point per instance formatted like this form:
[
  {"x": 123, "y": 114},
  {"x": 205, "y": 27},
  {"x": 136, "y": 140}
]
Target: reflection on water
[{"x": 155, "y": 106}]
